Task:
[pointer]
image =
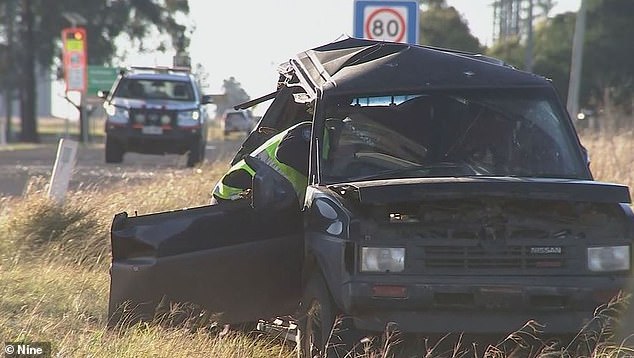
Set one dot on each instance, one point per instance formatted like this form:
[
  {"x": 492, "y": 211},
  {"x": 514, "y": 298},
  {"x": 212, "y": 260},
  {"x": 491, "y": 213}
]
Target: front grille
[
  {"x": 504, "y": 257},
  {"x": 152, "y": 117}
]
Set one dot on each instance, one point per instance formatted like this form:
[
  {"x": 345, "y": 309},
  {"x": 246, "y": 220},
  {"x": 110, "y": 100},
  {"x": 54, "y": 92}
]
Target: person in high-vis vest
[{"x": 285, "y": 152}]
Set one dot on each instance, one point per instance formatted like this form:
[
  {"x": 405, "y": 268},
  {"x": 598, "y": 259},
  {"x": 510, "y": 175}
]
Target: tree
[
  {"x": 553, "y": 48},
  {"x": 608, "y": 73},
  {"x": 202, "y": 76},
  {"x": 442, "y": 26},
  {"x": 234, "y": 94},
  {"x": 510, "y": 50},
  {"x": 38, "y": 24},
  {"x": 7, "y": 77}
]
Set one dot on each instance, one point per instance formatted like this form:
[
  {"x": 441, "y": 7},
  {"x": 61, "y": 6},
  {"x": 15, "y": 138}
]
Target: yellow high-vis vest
[{"x": 266, "y": 153}]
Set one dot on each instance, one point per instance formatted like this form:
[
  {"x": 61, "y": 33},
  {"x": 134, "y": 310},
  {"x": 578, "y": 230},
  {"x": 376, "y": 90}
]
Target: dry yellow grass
[
  {"x": 611, "y": 156},
  {"x": 54, "y": 262},
  {"x": 54, "y": 265}
]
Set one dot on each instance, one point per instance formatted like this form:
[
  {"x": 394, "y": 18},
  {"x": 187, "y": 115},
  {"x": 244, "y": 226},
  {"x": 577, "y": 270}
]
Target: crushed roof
[{"x": 353, "y": 65}]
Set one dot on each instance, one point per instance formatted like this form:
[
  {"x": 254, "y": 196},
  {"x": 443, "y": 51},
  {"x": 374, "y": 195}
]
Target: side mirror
[
  {"x": 586, "y": 155},
  {"x": 207, "y": 98},
  {"x": 271, "y": 191},
  {"x": 103, "y": 94}
]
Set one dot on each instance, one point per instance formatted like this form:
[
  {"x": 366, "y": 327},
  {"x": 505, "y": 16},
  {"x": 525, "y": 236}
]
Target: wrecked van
[{"x": 447, "y": 192}]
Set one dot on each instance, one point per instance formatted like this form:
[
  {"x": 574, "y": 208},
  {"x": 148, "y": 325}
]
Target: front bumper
[
  {"x": 170, "y": 140},
  {"x": 479, "y": 304}
]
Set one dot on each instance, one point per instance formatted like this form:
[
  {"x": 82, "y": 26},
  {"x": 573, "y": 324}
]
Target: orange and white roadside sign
[{"x": 74, "y": 55}]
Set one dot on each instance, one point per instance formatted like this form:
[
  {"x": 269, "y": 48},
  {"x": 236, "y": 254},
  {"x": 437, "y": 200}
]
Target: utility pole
[
  {"x": 576, "y": 61},
  {"x": 528, "y": 59}
]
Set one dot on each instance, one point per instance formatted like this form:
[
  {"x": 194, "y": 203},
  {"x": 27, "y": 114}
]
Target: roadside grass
[
  {"x": 611, "y": 156},
  {"x": 19, "y": 146},
  {"x": 54, "y": 278},
  {"x": 54, "y": 262}
]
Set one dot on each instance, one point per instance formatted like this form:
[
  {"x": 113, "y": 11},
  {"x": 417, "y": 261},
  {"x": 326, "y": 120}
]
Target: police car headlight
[
  {"x": 609, "y": 258},
  {"x": 188, "y": 118},
  {"x": 382, "y": 259},
  {"x": 117, "y": 114}
]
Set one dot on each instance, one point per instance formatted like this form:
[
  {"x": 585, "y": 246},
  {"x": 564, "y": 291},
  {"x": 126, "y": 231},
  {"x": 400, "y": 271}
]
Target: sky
[{"x": 248, "y": 39}]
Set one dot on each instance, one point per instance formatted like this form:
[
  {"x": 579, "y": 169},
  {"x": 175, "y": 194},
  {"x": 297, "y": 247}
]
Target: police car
[{"x": 155, "y": 110}]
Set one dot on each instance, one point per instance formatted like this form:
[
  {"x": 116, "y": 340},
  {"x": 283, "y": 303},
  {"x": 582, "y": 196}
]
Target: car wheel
[
  {"x": 114, "y": 152},
  {"x": 196, "y": 153},
  {"x": 321, "y": 332}
]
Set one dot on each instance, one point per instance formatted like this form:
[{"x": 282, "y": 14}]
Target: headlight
[
  {"x": 117, "y": 114},
  {"x": 188, "y": 118},
  {"x": 382, "y": 259},
  {"x": 609, "y": 258}
]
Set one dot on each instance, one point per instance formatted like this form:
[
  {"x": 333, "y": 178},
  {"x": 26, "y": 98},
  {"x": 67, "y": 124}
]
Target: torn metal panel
[{"x": 226, "y": 259}]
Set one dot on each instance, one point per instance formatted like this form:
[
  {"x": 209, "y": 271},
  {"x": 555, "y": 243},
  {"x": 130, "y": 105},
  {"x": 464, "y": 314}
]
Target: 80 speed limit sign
[{"x": 386, "y": 20}]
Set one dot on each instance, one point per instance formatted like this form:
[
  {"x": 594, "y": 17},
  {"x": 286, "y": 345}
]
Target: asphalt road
[{"x": 18, "y": 167}]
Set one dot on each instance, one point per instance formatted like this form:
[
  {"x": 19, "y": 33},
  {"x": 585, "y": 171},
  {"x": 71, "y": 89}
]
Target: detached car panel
[
  {"x": 447, "y": 192},
  {"x": 231, "y": 259}
]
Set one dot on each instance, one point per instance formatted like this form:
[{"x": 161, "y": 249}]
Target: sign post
[
  {"x": 74, "y": 51},
  {"x": 74, "y": 54},
  {"x": 387, "y": 20}
]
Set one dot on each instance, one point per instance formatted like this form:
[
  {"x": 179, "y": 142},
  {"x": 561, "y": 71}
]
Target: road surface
[{"x": 17, "y": 167}]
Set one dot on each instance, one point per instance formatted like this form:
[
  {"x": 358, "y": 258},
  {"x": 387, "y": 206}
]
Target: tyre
[
  {"x": 114, "y": 152},
  {"x": 322, "y": 333},
  {"x": 196, "y": 154}
]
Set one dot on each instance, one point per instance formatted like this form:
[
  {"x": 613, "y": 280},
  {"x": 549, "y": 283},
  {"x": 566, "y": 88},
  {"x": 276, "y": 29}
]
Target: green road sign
[{"x": 100, "y": 78}]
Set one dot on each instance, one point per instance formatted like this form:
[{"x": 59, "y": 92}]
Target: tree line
[
  {"x": 30, "y": 40},
  {"x": 607, "y": 79}
]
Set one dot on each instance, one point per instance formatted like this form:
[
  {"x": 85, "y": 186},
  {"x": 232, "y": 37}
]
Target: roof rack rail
[{"x": 158, "y": 69}]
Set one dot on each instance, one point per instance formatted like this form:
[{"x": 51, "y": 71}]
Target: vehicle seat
[
  {"x": 135, "y": 89},
  {"x": 179, "y": 91}
]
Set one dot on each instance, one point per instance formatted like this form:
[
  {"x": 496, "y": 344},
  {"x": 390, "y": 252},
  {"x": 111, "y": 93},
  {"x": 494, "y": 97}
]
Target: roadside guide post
[
  {"x": 62, "y": 169},
  {"x": 386, "y": 20},
  {"x": 3, "y": 133}
]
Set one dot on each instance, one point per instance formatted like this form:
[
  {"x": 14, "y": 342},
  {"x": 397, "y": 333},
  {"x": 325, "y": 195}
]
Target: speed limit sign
[{"x": 386, "y": 20}]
